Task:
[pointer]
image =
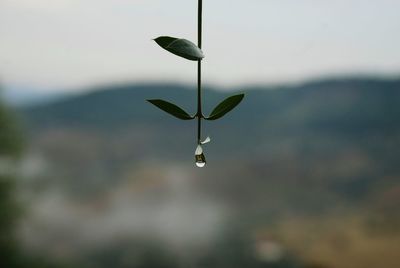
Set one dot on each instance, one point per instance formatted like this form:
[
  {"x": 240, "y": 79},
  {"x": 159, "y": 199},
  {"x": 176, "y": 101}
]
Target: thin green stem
[
  {"x": 199, "y": 112},
  {"x": 200, "y": 22},
  {"x": 199, "y": 32}
]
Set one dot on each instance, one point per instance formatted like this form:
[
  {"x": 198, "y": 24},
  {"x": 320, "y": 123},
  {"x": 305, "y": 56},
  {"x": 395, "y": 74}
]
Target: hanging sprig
[{"x": 188, "y": 50}]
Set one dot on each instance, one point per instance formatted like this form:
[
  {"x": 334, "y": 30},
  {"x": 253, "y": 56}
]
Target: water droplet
[
  {"x": 207, "y": 140},
  {"x": 200, "y": 160},
  {"x": 199, "y": 150}
]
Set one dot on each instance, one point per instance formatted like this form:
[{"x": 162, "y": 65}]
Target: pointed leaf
[
  {"x": 180, "y": 47},
  {"x": 225, "y": 106},
  {"x": 171, "y": 109}
]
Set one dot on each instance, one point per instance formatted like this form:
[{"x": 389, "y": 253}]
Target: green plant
[{"x": 188, "y": 50}]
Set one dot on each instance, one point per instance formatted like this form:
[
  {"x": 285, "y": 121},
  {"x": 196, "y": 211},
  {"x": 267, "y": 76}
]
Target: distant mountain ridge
[{"x": 367, "y": 103}]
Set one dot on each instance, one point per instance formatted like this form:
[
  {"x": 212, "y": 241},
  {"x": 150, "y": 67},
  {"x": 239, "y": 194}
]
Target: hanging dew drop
[{"x": 200, "y": 160}]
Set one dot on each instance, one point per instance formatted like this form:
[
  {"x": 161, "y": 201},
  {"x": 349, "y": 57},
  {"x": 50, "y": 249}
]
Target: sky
[{"x": 54, "y": 45}]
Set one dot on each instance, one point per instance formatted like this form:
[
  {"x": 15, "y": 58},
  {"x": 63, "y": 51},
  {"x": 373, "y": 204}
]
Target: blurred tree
[
  {"x": 11, "y": 146},
  {"x": 10, "y": 149},
  {"x": 10, "y": 139}
]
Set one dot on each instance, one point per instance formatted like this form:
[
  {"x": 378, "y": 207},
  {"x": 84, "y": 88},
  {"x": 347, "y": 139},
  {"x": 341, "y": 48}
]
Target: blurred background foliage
[
  {"x": 304, "y": 175},
  {"x": 11, "y": 148}
]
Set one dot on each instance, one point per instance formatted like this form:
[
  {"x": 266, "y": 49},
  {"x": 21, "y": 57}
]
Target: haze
[{"x": 59, "y": 44}]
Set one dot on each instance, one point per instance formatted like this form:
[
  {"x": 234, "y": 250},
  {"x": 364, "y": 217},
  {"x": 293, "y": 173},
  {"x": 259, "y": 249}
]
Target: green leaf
[
  {"x": 180, "y": 47},
  {"x": 171, "y": 109},
  {"x": 225, "y": 106}
]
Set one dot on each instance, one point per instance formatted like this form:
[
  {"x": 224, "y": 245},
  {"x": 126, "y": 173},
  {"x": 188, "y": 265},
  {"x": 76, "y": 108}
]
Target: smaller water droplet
[
  {"x": 200, "y": 160},
  {"x": 199, "y": 150},
  {"x": 207, "y": 140}
]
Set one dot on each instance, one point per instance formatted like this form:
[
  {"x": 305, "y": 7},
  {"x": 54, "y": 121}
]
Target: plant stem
[{"x": 199, "y": 32}]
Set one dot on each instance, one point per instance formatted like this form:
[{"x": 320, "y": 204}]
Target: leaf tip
[{"x": 225, "y": 106}]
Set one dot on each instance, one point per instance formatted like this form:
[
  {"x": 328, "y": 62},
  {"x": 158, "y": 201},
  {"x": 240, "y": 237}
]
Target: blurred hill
[
  {"x": 342, "y": 120},
  {"x": 340, "y": 133},
  {"x": 319, "y": 149},
  {"x": 340, "y": 105}
]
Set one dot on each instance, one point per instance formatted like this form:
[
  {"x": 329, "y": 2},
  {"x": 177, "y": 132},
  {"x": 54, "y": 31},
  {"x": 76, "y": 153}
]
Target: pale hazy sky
[{"x": 57, "y": 44}]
